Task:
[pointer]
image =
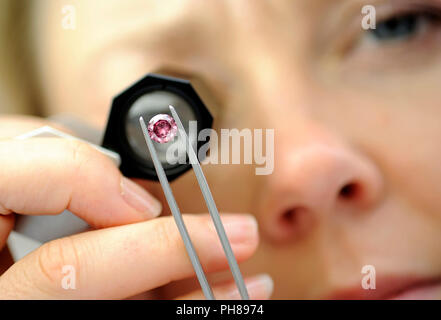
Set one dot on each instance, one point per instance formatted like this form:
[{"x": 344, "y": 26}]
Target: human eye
[
  {"x": 408, "y": 24},
  {"x": 407, "y": 38}
]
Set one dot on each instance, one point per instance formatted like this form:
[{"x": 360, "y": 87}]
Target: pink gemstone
[{"x": 162, "y": 128}]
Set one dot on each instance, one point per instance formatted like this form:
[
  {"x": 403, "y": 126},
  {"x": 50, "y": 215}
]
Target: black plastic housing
[{"x": 115, "y": 138}]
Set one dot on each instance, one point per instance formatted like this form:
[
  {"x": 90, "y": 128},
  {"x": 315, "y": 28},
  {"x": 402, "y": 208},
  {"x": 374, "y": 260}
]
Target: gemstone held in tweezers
[{"x": 162, "y": 128}]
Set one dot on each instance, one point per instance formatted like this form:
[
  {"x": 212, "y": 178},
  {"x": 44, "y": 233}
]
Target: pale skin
[{"x": 356, "y": 177}]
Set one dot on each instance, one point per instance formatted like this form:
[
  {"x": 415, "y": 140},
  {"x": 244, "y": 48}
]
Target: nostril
[
  {"x": 288, "y": 220},
  {"x": 349, "y": 191},
  {"x": 289, "y": 216},
  {"x": 293, "y": 223}
]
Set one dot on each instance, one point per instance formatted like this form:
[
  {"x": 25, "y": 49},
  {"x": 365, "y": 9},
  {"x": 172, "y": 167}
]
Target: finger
[
  {"x": 123, "y": 261},
  {"x": 6, "y": 259},
  {"x": 259, "y": 287},
  {"x": 48, "y": 175},
  {"x": 6, "y": 225}
]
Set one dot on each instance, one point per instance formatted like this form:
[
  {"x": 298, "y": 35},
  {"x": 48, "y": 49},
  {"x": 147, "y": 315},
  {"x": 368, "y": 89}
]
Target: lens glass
[{"x": 148, "y": 106}]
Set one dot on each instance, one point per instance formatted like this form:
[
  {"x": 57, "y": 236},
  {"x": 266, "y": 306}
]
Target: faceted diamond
[{"x": 162, "y": 128}]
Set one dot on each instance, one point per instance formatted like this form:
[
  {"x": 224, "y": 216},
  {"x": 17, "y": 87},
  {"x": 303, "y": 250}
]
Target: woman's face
[{"x": 356, "y": 114}]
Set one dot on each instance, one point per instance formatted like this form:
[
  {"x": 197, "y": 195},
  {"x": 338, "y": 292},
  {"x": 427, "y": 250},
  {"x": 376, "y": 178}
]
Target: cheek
[
  {"x": 410, "y": 156},
  {"x": 401, "y": 134},
  {"x": 232, "y": 187},
  {"x": 416, "y": 170}
]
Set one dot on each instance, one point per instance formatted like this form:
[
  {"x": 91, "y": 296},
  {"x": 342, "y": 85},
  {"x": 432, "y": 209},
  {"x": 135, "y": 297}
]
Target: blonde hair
[{"x": 18, "y": 88}]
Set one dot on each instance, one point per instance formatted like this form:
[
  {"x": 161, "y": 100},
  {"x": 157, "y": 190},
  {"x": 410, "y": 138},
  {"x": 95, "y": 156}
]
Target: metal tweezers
[{"x": 206, "y": 289}]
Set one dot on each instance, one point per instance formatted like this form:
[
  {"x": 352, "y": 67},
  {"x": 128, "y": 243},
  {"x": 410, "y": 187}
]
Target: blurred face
[{"x": 356, "y": 113}]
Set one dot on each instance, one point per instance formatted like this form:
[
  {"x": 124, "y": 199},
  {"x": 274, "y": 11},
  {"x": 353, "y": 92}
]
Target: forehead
[
  {"x": 173, "y": 21},
  {"x": 180, "y": 34},
  {"x": 216, "y": 12}
]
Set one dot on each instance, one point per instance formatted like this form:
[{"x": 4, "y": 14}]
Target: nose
[
  {"x": 318, "y": 175},
  {"x": 313, "y": 182}
]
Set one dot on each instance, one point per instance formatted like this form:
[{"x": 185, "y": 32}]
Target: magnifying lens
[
  {"x": 149, "y": 97},
  {"x": 123, "y": 142}
]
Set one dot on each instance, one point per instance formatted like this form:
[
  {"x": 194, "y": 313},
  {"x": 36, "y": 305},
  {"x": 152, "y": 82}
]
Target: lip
[{"x": 393, "y": 288}]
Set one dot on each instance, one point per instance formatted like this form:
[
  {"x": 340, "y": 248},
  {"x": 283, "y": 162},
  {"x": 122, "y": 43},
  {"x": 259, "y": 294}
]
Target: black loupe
[{"x": 148, "y": 97}]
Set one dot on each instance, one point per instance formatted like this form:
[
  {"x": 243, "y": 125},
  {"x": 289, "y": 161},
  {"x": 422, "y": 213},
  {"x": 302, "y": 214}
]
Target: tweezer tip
[
  {"x": 141, "y": 119},
  {"x": 171, "y": 108}
]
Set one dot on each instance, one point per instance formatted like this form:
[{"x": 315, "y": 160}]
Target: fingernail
[
  {"x": 240, "y": 228},
  {"x": 259, "y": 287},
  {"x": 139, "y": 199}
]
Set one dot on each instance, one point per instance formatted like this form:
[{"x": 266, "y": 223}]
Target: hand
[{"x": 131, "y": 255}]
